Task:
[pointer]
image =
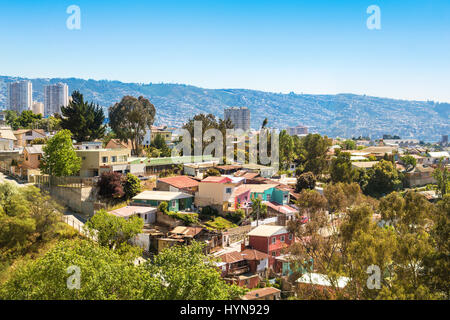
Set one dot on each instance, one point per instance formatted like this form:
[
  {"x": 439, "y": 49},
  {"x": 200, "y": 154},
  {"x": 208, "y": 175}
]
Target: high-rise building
[
  {"x": 444, "y": 140},
  {"x": 20, "y": 96},
  {"x": 55, "y": 97},
  {"x": 38, "y": 107},
  {"x": 298, "y": 130},
  {"x": 240, "y": 117}
]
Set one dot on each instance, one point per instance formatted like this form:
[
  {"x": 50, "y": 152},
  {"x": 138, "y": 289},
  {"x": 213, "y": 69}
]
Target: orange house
[{"x": 32, "y": 156}]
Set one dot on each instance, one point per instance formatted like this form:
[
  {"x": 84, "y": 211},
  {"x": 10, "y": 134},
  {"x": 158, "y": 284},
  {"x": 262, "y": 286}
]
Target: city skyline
[{"x": 312, "y": 48}]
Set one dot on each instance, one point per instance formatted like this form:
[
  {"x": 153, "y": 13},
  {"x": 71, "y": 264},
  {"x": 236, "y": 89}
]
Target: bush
[
  {"x": 237, "y": 216},
  {"x": 110, "y": 185},
  {"x": 209, "y": 212},
  {"x": 132, "y": 186},
  {"x": 306, "y": 180}
]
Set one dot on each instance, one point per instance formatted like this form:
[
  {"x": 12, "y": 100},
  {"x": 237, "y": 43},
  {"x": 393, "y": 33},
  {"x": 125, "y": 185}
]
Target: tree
[
  {"x": 314, "y": 149},
  {"x": 132, "y": 186},
  {"x": 112, "y": 231},
  {"x": 443, "y": 179},
  {"x": 212, "y": 172},
  {"x": 383, "y": 178},
  {"x": 159, "y": 143},
  {"x": 59, "y": 158},
  {"x": 341, "y": 169},
  {"x": 286, "y": 149},
  {"x": 348, "y": 145},
  {"x": 259, "y": 209},
  {"x": 83, "y": 119},
  {"x": 130, "y": 118},
  {"x": 110, "y": 185},
  {"x": 185, "y": 273},
  {"x": 306, "y": 180},
  {"x": 409, "y": 162},
  {"x": 104, "y": 274},
  {"x": 38, "y": 141}
]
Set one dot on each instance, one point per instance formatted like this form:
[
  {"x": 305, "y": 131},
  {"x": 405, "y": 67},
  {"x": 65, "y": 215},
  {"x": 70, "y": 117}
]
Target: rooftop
[
  {"x": 258, "y": 293},
  {"x": 364, "y": 164},
  {"x": 131, "y": 210},
  {"x": 180, "y": 182},
  {"x": 35, "y": 149},
  {"x": 267, "y": 231},
  {"x": 217, "y": 179},
  {"x": 161, "y": 195},
  {"x": 322, "y": 280}
]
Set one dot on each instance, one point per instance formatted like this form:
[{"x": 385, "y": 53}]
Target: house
[
  {"x": 32, "y": 156},
  {"x": 264, "y": 171},
  {"x": 228, "y": 168},
  {"x": 218, "y": 192},
  {"x": 309, "y": 281},
  {"x": 269, "y": 192},
  {"x": 156, "y": 165},
  {"x": 269, "y": 293},
  {"x": 25, "y": 136},
  {"x": 151, "y": 134},
  {"x": 257, "y": 261},
  {"x": 285, "y": 212},
  {"x": 235, "y": 269},
  {"x": 420, "y": 176},
  {"x": 7, "y": 139},
  {"x": 148, "y": 214},
  {"x": 88, "y": 145},
  {"x": 96, "y": 161},
  {"x": 435, "y": 157},
  {"x": 270, "y": 240},
  {"x": 379, "y": 151},
  {"x": 176, "y": 201},
  {"x": 118, "y": 144},
  {"x": 177, "y": 184},
  {"x": 364, "y": 164},
  {"x": 198, "y": 169}
]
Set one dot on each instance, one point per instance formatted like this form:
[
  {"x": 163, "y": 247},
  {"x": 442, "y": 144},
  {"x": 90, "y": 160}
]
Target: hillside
[{"x": 335, "y": 115}]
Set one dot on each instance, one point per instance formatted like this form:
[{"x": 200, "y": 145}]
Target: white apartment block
[
  {"x": 55, "y": 96},
  {"x": 20, "y": 96},
  {"x": 240, "y": 117},
  {"x": 38, "y": 107}
]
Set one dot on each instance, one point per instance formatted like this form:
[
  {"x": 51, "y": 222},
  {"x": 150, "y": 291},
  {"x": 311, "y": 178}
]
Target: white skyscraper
[
  {"x": 240, "y": 117},
  {"x": 20, "y": 96},
  {"x": 55, "y": 96}
]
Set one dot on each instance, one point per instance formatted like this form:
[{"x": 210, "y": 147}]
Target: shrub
[
  {"x": 132, "y": 186},
  {"x": 110, "y": 185},
  {"x": 306, "y": 180}
]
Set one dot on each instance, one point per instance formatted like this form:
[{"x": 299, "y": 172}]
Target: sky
[{"x": 315, "y": 46}]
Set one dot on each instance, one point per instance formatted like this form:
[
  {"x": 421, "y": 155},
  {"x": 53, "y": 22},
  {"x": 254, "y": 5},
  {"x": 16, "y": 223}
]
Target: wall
[{"x": 168, "y": 221}]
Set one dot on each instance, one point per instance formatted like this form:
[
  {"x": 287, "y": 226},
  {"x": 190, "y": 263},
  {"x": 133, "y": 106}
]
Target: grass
[{"x": 220, "y": 223}]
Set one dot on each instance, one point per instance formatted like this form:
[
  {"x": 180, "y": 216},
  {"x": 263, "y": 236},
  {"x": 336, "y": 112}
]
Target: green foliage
[
  {"x": 59, "y": 158},
  {"x": 313, "y": 156},
  {"x": 348, "y": 145},
  {"x": 208, "y": 212},
  {"x": 237, "y": 216},
  {"x": 341, "y": 168},
  {"x": 159, "y": 148},
  {"x": 212, "y": 172},
  {"x": 442, "y": 177},
  {"x": 259, "y": 209},
  {"x": 38, "y": 141},
  {"x": 188, "y": 218},
  {"x": 130, "y": 118},
  {"x": 83, "y": 119},
  {"x": 25, "y": 120},
  {"x": 306, "y": 180},
  {"x": 185, "y": 273},
  {"x": 220, "y": 223},
  {"x": 409, "y": 161},
  {"x": 112, "y": 231},
  {"x": 382, "y": 179},
  {"x": 132, "y": 186}
]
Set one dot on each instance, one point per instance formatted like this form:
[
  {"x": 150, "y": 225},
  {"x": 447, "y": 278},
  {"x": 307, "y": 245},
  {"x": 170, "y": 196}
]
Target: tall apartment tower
[
  {"x": 20, "y": 96},
  {"x": 240, "y": 117},
  {"x": 55, "y": 96},
  {"x": 298, "y": 130},
  {"x": 38, "y": 107}
]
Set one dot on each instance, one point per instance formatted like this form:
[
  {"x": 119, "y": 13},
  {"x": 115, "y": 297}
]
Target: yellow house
[{"x": 96, "y": 161}]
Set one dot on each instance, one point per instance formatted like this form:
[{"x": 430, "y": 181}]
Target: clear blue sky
[{"x": 313, "y": 46}]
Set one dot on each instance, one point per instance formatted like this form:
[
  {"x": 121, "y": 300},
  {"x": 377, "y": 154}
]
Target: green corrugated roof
[{"x": 174, "y": 160}]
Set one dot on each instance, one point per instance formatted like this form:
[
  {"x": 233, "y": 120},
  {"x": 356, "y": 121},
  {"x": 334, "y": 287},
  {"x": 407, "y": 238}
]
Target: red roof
[
  {"x": 231, "y": 257},
  {"x": 217, "y": 179},
  {"x": 252, "y": 254},
  {"x": 180, "y": 182}
]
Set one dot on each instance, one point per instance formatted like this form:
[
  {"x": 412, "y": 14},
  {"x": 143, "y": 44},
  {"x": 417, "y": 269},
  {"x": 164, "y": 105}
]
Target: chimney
[{"x": 243, "y": 245}]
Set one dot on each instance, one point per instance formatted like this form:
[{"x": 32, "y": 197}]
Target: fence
[{"x": 265, "y": 221}]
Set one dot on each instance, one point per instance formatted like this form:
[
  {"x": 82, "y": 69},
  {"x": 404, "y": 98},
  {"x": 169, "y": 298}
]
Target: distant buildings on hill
[
  {"x": 240, "y": 117},
  {"x": 298, "y": 130},
  {"x": 20, "y": 98}
]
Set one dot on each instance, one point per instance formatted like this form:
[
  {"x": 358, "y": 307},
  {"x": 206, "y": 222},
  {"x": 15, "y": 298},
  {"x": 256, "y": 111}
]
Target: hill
[{"x": 335, "y": 115}]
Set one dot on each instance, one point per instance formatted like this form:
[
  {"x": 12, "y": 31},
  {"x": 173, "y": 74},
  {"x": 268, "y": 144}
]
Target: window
[
  {"x": 104, "y": 159},
  {"x": 290, "y": 236},
  {"x": 114, "y": 159},
  {"x": 84, "y": 158},
  {"x": 268, "y": 197},
  {"x": 174, "y": 203},
  {"x": 39, "y": 157},
  {"x": 228, "y": 190},
  {"x": 274, "y": 253},
  {"x": 29, "y": 133},
  {"x": 274, "y": 239},
  {"x": 146, "y": 217},
  {"x": 282, "y": 238}
]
